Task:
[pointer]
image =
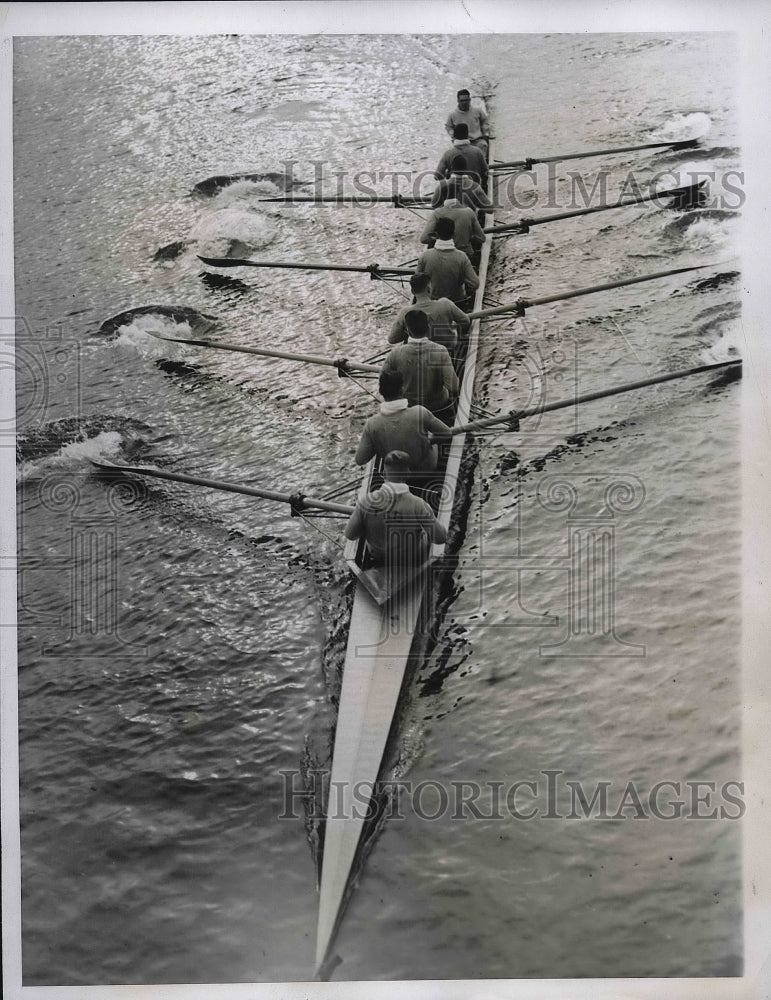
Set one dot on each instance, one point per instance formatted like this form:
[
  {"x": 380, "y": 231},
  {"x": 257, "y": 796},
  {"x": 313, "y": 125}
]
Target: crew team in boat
[{"x": 418, "y": 380}]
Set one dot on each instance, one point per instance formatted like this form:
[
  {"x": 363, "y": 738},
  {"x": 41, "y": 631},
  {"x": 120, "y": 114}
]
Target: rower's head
[
  {"x": 417, "y": 323},
  {"x": 464, "y": 100},
  {"x": 460, "y": 131},
  {"x": 458, "y": 164},
  {"x": 390, "y": 385},
  {"x": 420, "y": 283},
  {"x": 444, "y": 228},
  {"x": 396, "y": 466}
]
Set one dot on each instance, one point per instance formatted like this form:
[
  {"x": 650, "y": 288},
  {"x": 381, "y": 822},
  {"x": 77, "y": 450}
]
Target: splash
[
  {"x": 707, "y": 229},
  {"x": 252, "y": 229},
  {"x": 138, "y": 335},
  {"x": 709, "y": 233},
  {"x": 74, "y": 455},
  {"x": 681, "y": 127},
  {"x": 728, "y": 346}
]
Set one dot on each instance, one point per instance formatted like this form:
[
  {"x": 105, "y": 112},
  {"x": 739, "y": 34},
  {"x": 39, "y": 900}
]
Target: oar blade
[{"x": 227, "y": 262}]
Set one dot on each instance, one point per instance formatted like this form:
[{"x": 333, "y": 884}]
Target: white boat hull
[{"x": 379, "y": 644}]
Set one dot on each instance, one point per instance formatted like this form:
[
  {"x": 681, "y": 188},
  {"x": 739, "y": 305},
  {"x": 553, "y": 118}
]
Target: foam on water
[
  {"x": 682, "y": 127},
  {"x": 711, "y": 234},
  {"x": 138, "y": 335},
  {"x": 728, "y": 347},
  {"x": 245, "y": 191},
  {"x": 249, "y": 227},
  {"x": 73, "y": 456}
]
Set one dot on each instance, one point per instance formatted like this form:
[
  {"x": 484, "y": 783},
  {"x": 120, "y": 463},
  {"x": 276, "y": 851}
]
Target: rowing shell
[{"x": 380, "y": 639}]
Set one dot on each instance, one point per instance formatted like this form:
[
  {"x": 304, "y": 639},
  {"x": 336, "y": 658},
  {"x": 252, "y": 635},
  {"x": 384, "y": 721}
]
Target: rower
[
  {"x": 401, "y": 427},
  {"x": 450, "y": 270},
  {"x": 475, "y": 159},
  {"x": 428, "y": 376},
  {"x": 468, "y": 236},
  {"x": 474, "y": 118},
  {"x": 446, "y": 322},
  {"x": 397, "y": 526},
  {"x": 467, "y": 190}
]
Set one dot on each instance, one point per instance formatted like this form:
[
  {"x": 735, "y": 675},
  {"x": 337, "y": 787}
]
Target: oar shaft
[
  {"x": 300, "y": 501},
  {"x": 587, "y": 397},
  {"x": 303, "y": 265},
  {"x": 342, "y": 365},
  {"x": 524, "y": 224},
  {"x": 348, "y": 199},
  {"x": 521, "y": 305},
  {"x": 544, "y": 299},
  {"x": 532, "y": 160}
]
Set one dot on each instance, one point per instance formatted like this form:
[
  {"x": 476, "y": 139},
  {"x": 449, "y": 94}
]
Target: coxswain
[
  {"x": 469, "y": 235},
  {"x": 428, "y": 377},
  {"x": 401, "y": 427},
  {"x": 476, "y": 164},
  {"x": 468, "y": 191},
  {"x": 452, "y": 275},
  {"x": 446, "y": 322},
  {"x": 397, "y": 526},
  {"x": 475, "y": 119}
]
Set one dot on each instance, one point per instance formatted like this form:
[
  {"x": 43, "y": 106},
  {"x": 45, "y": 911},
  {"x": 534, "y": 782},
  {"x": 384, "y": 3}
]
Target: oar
[
  {"x": 374, "y": 270},
  {"x": 297, "y": 501},
  {"x": 343, "y": 365},
  {"x": 398, "y": 200},
  {"x": 515, "y": 415},
  {"x": 521, "y": 305},
  {"x": 530, "y": 161},
  {"x": 687, "y": 194}
]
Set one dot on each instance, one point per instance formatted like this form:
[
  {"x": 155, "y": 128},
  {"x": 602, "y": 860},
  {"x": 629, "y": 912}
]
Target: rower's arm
[
  {"x": 442, "y": 167},
  {"x": 366, "y": 449},
  {"x": 355, "y": 527},
  {"x": 428, "y": 235},
  {"x": 459, "y": 316},
  {"x": 470, "y": 277},
  {"x": 398, "y": 333},
  {"x": 434, "y": 426},
  {"x": 437, "y": 532},
  {"x": 477, "y": 234},
  {"x": 450, "y": 378}
]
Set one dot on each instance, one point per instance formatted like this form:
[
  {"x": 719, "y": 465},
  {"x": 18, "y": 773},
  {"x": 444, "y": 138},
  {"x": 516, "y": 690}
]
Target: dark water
[{"x": 179, "y": 649}]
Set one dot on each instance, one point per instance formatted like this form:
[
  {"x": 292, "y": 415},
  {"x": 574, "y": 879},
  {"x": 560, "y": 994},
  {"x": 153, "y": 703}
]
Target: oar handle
[
  {"x": 514, "y": 416},
  {"x": 297, "y": 501}
]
